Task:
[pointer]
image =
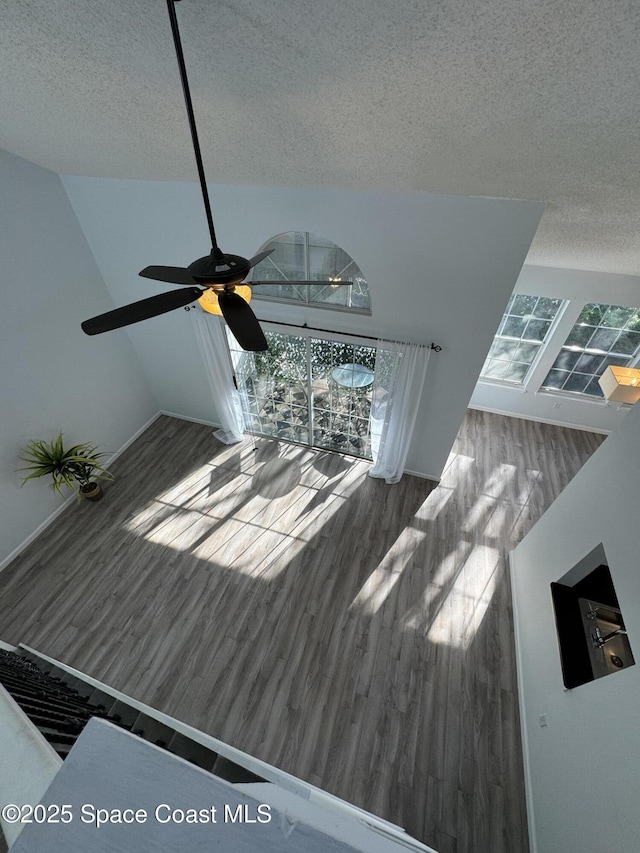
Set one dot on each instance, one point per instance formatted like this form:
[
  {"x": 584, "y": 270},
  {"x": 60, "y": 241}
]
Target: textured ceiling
[{"x": 535, "y": 100}]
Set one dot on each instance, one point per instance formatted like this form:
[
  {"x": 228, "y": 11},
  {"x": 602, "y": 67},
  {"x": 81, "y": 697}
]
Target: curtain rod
[{"x": 433, "y": 346}]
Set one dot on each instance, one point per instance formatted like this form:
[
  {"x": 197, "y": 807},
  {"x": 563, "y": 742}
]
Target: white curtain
[
  {"x": 400, "y": 373},
  {"x": 210, "y": 335}
]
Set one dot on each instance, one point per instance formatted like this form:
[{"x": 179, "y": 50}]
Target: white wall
[
  {"x": 579, "y": 287},
  {"x": 584, "y": 767},
  {"x": 29, "y": 763},
  {"x": 440, "y": 268},
  {"x": 53, "y": 376}
]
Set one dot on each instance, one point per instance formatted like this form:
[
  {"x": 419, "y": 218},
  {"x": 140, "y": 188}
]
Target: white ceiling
[{"x": 535, "y": 100}]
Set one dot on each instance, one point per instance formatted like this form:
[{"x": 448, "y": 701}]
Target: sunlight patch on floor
[
  {"x": 258, "y": 536},
  {"x": 387, "y": 573},
  {"x": 496, "y": 482},
  {"x": 458, "y": 465},
  {"x": 460, "y": 614},
  {"x": 434, "y": 504}
]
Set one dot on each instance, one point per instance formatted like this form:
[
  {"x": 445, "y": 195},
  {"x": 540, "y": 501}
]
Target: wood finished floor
[{"x": 355, "y": 634}]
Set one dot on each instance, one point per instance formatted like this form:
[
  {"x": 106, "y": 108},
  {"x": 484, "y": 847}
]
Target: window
[
  {"x": 308, "y": 390},
  {"x": 522, "y": 331},
  {"x": 301, "y": 256},
  {"x": 603, "y": 335}
]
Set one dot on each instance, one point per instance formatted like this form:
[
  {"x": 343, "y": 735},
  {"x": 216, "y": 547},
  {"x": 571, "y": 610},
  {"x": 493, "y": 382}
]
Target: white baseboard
[
  {"x": 193, "y": 420},
  {"x": 433, "y": 479},
  {"x": 533, "y": 844},
  {"x": 39, "y": 529},
  {"x": 57, "y": 512},
  {"x": 136, "y": 435},
  {"x": 599, "y": 431}
]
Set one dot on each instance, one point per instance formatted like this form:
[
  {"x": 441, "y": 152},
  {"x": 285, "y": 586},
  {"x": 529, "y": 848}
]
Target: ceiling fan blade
[
  {"x": 242, "y": 322},
  {"x": 303, "y": 283},
  {"x": 172, "y": 275},
  {"x": 260, "y": 257},
  {"x": 142, "y": 310}
]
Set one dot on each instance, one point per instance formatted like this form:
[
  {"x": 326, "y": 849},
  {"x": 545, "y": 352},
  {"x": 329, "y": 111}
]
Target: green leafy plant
[{"x": 75, "y": 467}]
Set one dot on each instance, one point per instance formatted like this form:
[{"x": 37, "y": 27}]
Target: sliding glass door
[{"x": 308, "y": 390}]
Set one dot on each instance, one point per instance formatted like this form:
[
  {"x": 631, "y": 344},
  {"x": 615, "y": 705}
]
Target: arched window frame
[{"x": 348, "y": 269}]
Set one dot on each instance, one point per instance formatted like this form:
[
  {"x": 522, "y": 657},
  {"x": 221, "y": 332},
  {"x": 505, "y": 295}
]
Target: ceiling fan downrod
[{"x": 192, "y": 120}]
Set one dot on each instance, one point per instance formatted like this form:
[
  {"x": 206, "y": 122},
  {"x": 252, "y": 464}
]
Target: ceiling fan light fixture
[{"x": 209, "y": 299}]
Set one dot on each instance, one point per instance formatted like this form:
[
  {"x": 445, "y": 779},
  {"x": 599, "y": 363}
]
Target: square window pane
[
  {"x": 615, "y": 360},
  {"x": 300, "y": 415},
  {"x": 517, "y": 372},
  {"x": 360, "y": 426},
  {"x": 526, "y": 353},
  {"x": 592, "y": 313},
  {"x": 503, "y": 349},
  {"x": 603, "y": 339},
  {"x": 566, "y": 360},
  {"x": 546, "y": 309},
  {"x": 496, "y": 369},
  {"x": 576, "y": 382},
  {"x": 555, "y": 378},
  {"x": 536, "y": 329},
  {"x": 523, "y": 305},
  {"x": 627, "y": 342},
  {"x": 365, "y": 356},
  {"x": 580, "y": 335},
  {"x": 616, "y": 316},
  {"x": 513, "y": 327},
  {"x": 633, "y": 324},
  {"x": 588, "y": 364},
  {"x": 593, "y": 389}
]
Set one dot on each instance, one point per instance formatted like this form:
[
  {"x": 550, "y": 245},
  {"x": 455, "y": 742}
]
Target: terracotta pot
[{"x": 91, "y": 491}]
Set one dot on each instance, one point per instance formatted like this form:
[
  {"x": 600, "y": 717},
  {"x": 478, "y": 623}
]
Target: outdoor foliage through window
[
  {"x": 603, "y": 335},
  {"x": 522, "y": 331},
  {"x": 298, "y": 390}
]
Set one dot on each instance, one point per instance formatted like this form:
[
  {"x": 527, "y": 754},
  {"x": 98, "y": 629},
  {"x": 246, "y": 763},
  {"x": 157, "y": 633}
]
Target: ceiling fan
[{"x": 213, "y": 279}]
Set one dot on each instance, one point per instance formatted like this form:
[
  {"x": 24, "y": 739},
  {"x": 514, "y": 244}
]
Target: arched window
[{"x": 301, "y": 256}]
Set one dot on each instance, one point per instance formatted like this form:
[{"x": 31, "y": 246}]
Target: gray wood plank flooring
[{"x": 357, "y": 635}]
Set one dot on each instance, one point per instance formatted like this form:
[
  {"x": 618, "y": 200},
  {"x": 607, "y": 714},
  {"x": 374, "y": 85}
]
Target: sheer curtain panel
[
  {"x": 212, "y": 344},
  {"x": 399, "y": 379}
]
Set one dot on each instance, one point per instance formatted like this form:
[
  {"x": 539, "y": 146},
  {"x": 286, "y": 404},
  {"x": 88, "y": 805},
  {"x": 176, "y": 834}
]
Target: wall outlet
[{"x": 543, "y": 720}]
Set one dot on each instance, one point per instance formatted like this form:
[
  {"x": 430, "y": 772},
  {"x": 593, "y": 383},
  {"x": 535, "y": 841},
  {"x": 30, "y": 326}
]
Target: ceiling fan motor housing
[{"x": 218, "y": 268}]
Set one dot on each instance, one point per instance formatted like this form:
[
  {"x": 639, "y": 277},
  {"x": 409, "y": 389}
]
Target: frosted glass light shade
[
  {"x": 209, "y": 299},
  {"x": 621, "y": 384}
]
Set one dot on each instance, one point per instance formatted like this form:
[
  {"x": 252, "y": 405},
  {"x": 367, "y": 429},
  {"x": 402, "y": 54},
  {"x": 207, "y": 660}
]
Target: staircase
[
  {"x": 49, "y": 704},
  {"x": 60, "y": 706}
]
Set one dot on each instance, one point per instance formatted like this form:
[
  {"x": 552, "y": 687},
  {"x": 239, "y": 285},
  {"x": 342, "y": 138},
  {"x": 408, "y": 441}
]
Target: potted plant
[{"x": 78, "y": 467}]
